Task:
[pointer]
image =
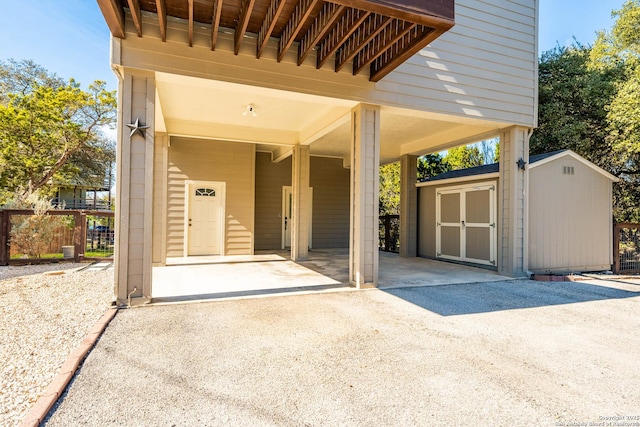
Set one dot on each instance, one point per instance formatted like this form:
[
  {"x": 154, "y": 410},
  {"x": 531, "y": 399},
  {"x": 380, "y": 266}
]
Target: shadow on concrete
[
  {"x": 474, "y": 298},
  {"x": 247, "y": 293}
]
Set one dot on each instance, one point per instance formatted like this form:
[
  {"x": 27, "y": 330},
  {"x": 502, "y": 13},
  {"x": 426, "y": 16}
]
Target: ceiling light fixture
[{"x": 250, "y": 110}]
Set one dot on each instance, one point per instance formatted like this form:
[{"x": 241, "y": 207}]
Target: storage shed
[{"x": 570, "y": 215}]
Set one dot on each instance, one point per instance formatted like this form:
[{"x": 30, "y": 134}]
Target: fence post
[
  {"x": 4, "y": 238},
  {"x": 387, "y": 232},
  {"x": 616, "y": 248},
  {"x": 77, "y": 236}
]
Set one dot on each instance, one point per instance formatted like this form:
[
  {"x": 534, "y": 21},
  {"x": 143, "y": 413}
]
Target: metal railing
[
  {"x": 626, "y": 248},
  {"x": 81, "y": 204},
  {"x": 389, "y": 233}
]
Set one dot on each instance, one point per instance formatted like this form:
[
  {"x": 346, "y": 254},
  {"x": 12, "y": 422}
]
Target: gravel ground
[
  {"x": 489, "y": 354},
  {"x": 43, "y": 318}
]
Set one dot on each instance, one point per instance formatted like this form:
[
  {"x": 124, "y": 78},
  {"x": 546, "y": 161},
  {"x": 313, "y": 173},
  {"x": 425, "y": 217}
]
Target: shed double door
[{"x": 466, "y": 224}]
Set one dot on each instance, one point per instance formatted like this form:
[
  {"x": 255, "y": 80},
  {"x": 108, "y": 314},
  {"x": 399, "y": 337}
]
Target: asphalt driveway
[{"x": 502, "y": 353}]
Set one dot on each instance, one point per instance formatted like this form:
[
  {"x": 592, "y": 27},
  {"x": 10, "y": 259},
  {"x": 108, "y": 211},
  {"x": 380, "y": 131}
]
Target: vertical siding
[
  {"x": 570, "y": 218},
  {"x": 330, "y": 183},
  {"x": 204, "y": 160},
  {"x": 270, "y": 178}
]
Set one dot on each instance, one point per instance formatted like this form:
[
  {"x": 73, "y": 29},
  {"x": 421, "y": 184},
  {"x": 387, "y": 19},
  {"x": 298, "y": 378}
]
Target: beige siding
[
  {"x": 484, "y": 67},
  {"x": 427, "y": 222},
  {"x": 204, "y": 160},
  {"x": 330, "y": 183},
  {"x": 570, "y": 218},
  {"x": 270, "y": 178}
]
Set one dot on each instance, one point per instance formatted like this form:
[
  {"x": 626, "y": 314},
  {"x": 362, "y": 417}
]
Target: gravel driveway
[
  {"x": 45, "y": 313},
  {"x": 502, "y": 353}
]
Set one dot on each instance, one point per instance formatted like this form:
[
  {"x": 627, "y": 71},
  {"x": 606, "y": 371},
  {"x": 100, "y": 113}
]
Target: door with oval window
[{"x": 205, "y": 215}]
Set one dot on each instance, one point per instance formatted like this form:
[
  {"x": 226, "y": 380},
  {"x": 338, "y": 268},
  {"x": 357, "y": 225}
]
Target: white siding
[{"x": 484, "y": 67}]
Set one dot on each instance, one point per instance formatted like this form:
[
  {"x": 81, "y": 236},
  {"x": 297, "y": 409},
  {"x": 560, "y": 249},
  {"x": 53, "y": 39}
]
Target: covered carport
[{"x": 205, "y": 278}]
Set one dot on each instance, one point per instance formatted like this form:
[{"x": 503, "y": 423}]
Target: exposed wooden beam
[
  {"x": 162, "y": 19},
  {"x": 190, "y": 23},
  {"x": 215, "y": 22},
  {"x": 418, "y": 38},
  {"x": 321, "y": 25},
  {"x": 268, "y": 24},
  {"x": 134, "y": 7},
  {"x": 295, "y": 24},
  {"x": 360, "y": 39},
  {"x": 380, "y": 44},
  {"x": 245, "y": 15},
  {"x": 114, "y": 16},
  {"x": 438, "y": 14},
  {"x": 340, "y": 33}
]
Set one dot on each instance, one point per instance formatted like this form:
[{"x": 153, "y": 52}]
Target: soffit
[{"x": 373, "y": 35}]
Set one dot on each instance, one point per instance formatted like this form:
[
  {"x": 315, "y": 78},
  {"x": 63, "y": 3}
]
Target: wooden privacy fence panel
[
  {"x": 389, "y": 233},
  {"x": 626, "y": 248},
  {"x": 70, "y": 233}
]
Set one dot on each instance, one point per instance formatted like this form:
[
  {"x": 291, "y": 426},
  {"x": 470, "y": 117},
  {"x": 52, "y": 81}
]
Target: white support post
[
  {"x": 301, "y": 202},
  {"x": 513, "y": 206},
  {"x": 408, "y": 206},
  {"x": 365, "y": 162},
  {"x": 134, "y": 169}
]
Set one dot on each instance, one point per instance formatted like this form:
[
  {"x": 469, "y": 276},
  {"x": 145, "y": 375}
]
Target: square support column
[
  {"x": 513, "y": 203},
  {"x": 408, "y": 206},
  {"x": 365, "y": 162},
  {"x": 301, "y": 202},
  {"x": 134, "y": 183}
]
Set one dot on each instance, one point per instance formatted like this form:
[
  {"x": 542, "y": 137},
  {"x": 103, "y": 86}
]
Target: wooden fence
[
  {"x": 626, "y": 248},
  {"x": 68, "y": 242}
]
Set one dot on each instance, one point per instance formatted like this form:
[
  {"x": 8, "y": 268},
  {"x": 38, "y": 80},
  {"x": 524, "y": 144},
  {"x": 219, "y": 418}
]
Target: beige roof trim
[
  {"x": 578, "y": 158},
  {"x": 481, "y": 177}
]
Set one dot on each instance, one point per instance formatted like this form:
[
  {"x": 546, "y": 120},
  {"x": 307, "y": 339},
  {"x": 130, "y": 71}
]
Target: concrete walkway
[
  {"x": 497, "y": 353},
  {"x": 198, "y": 278}
]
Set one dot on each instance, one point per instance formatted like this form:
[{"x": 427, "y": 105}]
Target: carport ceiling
[
  {"x": 375, "y": 34},
  {"x": 216, "y": 110}
]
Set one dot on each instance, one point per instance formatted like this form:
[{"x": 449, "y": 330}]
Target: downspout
[
  {"x": 129, "y": 297},
  {"x": 528, "y": 272}
]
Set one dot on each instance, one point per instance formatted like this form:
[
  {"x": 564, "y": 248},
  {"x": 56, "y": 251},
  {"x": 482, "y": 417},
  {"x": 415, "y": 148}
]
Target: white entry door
[
  {"x": 287, "y": 215},
  {"x": 465, "y": 223},
  {"x": 204, "y": 219}
]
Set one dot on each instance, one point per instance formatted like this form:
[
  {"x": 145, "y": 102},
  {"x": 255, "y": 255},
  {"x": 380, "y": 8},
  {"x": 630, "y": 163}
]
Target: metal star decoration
[{"x": 136, "y": 127}]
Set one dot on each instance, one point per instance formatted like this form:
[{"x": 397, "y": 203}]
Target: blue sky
[{"x": 71, "y": 39}]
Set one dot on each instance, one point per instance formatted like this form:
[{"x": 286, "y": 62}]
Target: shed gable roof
[{"x": 534, "y": 161}]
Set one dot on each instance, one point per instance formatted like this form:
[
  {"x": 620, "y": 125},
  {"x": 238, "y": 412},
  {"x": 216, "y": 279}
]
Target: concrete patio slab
[{"x": 193, "y": 278}]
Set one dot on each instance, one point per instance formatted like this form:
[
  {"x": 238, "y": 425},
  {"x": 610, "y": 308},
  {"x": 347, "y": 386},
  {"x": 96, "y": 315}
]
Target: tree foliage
[
  {"x": 51, "y": 131},
  {"x": 589, "y": 102},
  {"x": 463, "y": 157}
]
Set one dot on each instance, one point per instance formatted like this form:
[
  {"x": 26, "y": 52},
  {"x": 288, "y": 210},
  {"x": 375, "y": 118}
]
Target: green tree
[
  {"x": 572, "y": 105},
  {"x": 431, "y": 165},
  {"x": 389, "y": 195},
  {"x": 51, "y": 130},
  {"x": 463, "y": 157},
  {"x": 617, "y": 52}
]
